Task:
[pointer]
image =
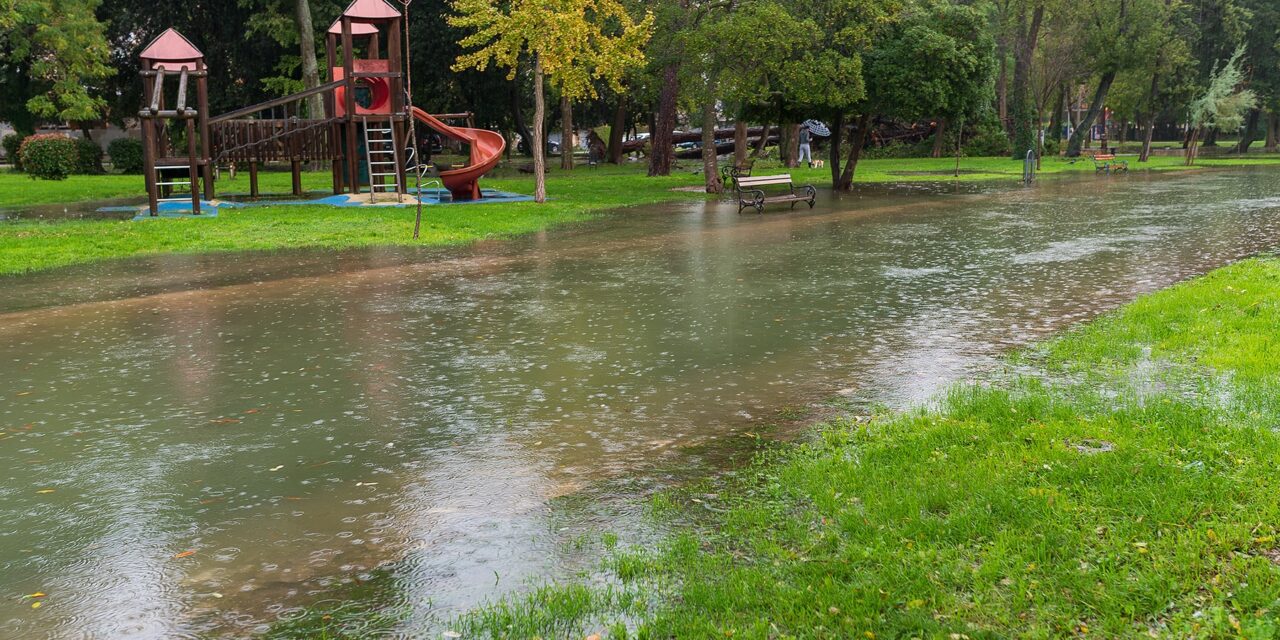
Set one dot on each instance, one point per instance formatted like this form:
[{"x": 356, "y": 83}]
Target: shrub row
[{"x": 55, "y": 156}]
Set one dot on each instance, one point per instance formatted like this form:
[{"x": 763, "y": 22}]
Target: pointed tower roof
[
  {"x": 357, "y": 28},
  {"x": 172, "y": 51},
  {"x": 370, "y": 10}
]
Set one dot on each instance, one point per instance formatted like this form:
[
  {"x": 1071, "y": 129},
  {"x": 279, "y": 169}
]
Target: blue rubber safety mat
[{"x": 209, "y": 209}]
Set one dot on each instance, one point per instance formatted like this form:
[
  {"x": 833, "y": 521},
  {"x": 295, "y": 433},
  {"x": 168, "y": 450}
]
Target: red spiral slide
[{"x": 486, "y": 150}]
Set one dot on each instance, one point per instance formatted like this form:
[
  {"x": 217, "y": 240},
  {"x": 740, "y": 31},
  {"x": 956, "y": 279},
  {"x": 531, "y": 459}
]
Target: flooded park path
[{"x": 201, "y": 445}]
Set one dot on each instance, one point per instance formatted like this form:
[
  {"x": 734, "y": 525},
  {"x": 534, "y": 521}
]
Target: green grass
[
  {"x": 1119, "y": 481},
  {"x": 43, "y": 244},
  {"x": 34, "y": 245}
]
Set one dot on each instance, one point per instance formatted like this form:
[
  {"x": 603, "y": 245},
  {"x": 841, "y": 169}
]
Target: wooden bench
[
  {"x": 751, "y": 194},
  {"x": 1107, "y": 162}
]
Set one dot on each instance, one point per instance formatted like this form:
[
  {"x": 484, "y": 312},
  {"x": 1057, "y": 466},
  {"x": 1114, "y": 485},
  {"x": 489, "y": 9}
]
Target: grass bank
[
  {"x": 35, "y": 245},
  {"x": 1118, "y": 481}
]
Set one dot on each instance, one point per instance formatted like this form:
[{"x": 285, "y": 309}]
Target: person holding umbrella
[
  {"x": 805, "y": 153},
  {"x": 808, "y": 129}
]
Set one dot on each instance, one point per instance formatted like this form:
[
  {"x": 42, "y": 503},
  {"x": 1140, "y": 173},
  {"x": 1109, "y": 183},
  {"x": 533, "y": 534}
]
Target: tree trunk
[
  {"x": 1273, "y": 132},
  {"x": 1021, "y": 108},
  {"x": 517, "y": 115},
  {"x": 855, "y": 152},
  {"x": 837, "y": 132},
  {"x": 1148, "y": 130},
  {"x": 792, "y": 146},
  {"x": 660, "y": 139},
  {"x": 1086, "y": 122},
  {"x": 710, "y": 161},
  {"x": 618, "y": 131},
  {"x": 1210, "y": 137},
  {"x": 1055, "y": 120},
  {"x": 307, "y": 49},
  {"x": 1002, "y": 86},
  {"x": 567, "y": 134},
  {"x": 762, "y": 142},
  {"x": 1149, "y": 125},
  {"x": 539, "y": 130},
  {"x": 939, "y": 135},
  {"x": 740, "y": 146},
  {"x": 1193, "y": 146},
  {"x": 1250, "y": 130}
]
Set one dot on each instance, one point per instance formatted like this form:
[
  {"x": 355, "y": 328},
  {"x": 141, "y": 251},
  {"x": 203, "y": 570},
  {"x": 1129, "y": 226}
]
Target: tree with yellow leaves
[{"x": 571, "y": 42}]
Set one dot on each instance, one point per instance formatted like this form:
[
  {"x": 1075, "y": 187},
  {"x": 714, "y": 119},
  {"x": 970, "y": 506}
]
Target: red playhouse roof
[
  {"x": 371, "y": 10},
  {"x": 172, "y": 48},
  {"x": 357, "y": 28}
]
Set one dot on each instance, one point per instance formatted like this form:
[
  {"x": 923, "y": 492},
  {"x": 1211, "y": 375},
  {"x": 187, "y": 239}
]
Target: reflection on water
[{"x": 299, "y": 419}]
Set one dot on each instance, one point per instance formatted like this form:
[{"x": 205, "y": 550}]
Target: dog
[{"x": 817, "y": 163}]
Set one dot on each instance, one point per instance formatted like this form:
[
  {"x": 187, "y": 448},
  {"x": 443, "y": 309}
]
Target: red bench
[{"x": 1107, "y": 162}]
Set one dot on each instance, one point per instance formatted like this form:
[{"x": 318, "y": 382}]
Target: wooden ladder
[
  {"x": 176, "y": 182},
  {"x": 382, "y": 157}
]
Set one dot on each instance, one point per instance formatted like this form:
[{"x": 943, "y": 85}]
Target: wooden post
[
  {"x": 253, "y": 178},
  {"x": 349, "y": 99},
  {"x": 206, "y": 143},
  {"x": 193, "y": 166},
  {"x": 148, "y": 151},
  {"x": 397, "y": 100}
]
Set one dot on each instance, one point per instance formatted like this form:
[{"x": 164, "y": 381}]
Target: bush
[
  {"x": 48, "y": 156},
  {"x": 900, "y": 149},
  {"x": 11, "y": 144},
  {"x": 987, "y": 141},
  {"x": 88, "y": 156},
  {"x": 126, "y": 155}
]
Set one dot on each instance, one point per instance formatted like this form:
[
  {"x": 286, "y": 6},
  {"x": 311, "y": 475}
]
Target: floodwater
[{"x": 200, "y": 445}]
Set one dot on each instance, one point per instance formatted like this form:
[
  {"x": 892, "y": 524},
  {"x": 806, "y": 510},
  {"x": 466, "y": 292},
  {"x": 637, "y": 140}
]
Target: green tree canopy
[{"x": 52, "y": 55}]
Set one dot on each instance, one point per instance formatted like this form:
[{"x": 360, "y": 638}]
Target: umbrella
[{"x": 817, "y": 128}]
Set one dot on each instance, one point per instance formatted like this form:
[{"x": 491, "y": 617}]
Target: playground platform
[{"x": 209, "y": 208}]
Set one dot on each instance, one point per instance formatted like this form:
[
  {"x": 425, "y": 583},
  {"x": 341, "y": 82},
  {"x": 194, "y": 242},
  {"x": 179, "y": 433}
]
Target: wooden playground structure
[{"x": 367, "y": 121}]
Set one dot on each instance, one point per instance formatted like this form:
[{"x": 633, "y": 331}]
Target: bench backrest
[
  {"x": 760, "y": 181},
  {"x": 1104, "y": 156}
]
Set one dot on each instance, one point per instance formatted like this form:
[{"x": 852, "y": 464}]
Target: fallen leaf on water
[
  {"x": 252, "y": 410},
  {"x": 184, "y": 554},
  {"x": 216, "y": 595},
  {"x": 45, "y": 491},
  {"x": 35, "y": 605},
  {"x": 38, "y": 594},
  {"x": 451, "y": 634},
  {"x": 24, "y": 393},
  {"x": 594, "y": 636},
  {"x": 225, "y": 420},
  {"x": 277, "y": 467}
]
